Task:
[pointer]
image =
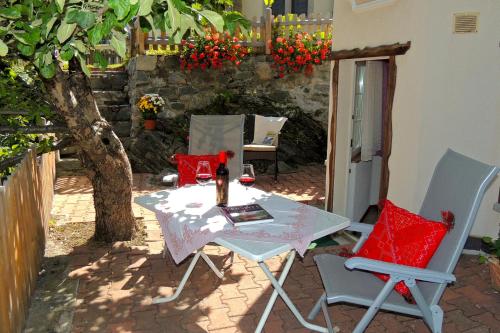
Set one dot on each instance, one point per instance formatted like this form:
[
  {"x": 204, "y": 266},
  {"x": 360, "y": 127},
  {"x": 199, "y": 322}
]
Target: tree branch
[
  {"x": 34, "y": 129},
  {"x": 11, "y": 161}
]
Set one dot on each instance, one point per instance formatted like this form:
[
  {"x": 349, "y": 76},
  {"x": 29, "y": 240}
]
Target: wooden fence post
[{"x": 268, "y": 33}]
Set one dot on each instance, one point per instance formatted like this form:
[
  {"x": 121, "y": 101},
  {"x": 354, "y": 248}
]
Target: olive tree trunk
[{"x": 101, "y": 152}]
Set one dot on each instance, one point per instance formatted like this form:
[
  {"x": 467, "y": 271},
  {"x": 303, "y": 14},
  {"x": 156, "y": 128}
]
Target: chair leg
[
  {"x": 315, "y": 310},
  {"x": 276, "y": 166},
  {"x": 373, "y": 309},
  {"x": 437, "y": 318}
]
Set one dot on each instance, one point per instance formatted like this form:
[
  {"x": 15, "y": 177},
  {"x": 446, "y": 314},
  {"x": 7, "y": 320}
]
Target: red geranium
[
  {"x": 299, "y": 52},
  {"x": 210, "y": 51}
]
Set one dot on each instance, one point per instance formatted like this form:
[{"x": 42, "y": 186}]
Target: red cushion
[
  {"x": 402, "y": 237},
  {"x": 187, "y": 164}
]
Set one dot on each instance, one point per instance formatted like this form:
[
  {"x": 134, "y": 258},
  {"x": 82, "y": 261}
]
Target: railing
[
  {"x": 25, "y": 204},
  {"x": 262, "y": 31}
]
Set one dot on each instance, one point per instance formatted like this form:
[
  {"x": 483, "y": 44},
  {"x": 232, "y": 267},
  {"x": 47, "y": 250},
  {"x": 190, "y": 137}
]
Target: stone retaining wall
[{"x": 250, "y": 89}]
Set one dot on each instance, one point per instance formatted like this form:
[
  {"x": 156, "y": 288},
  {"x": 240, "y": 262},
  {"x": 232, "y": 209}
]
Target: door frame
[{"x": 390, "y": 51}]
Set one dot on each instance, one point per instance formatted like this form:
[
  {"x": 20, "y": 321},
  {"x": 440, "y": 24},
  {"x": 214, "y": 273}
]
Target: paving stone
[{"x": 117, "y": 284}]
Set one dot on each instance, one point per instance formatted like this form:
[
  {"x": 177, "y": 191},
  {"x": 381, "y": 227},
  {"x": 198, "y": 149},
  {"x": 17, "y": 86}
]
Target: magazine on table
[{"x": 246, "y": 214}]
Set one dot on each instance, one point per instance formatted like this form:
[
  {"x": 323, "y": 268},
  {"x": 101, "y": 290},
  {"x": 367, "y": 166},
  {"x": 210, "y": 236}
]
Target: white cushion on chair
[
  {"x": 256, "y": 147},
  {"x": 264, "y": 125}
]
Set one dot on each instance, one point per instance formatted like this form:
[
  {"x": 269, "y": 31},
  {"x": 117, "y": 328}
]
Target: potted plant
[
  {"x": 150, "y": 105},
  {"x": 492, "y": 256}
]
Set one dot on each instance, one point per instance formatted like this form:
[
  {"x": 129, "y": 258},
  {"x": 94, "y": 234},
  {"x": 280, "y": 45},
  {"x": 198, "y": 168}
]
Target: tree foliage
[
  {"x": 22, "y": 103},
  {"x": 47, "y": 31}
]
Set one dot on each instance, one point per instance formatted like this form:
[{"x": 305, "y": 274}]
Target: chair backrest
[
  {"x": 213, "y": 133},
  {"x": 264, "y": 125},
  {"x": 457, "y": 185}
]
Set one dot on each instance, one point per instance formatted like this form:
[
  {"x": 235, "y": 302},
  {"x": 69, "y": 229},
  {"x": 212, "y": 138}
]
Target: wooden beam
[
  {"x": 371, "y": 52},
  {"x": 387, "y": 125},
  {"x": 333, "y": 136}
]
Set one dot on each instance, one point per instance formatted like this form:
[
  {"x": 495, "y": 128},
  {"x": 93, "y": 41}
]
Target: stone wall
[{"x": 250, "y": 89}]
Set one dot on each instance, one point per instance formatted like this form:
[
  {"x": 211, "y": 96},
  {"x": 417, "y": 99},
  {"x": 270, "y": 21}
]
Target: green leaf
[
  {"x": 26, "y": 50},
  {"x": 67, "y": 54},
  {"x": 47, "y": 58},
  {"x": 214, "y": 18},
  {"x": 10, "y": 13},
  {"x": 108, "y": 24},
  {"x": 80, "y": 46},
  {"x": 60, "y": 5},
  {"x": 487, "y": 240},
  {"x": 29, "y": 38},
  {"x": 150, "y": 20},
  {"x": 83, "y": 64},
  {"x": 118, "y": 42},
  {"x": 120, "y": 7},
  {"x": 482, "y": 259},
  {"x": 95, "y": 34},
  {"x": 145, "y": 7},
  {"x": 173, "y": 15},
  {"x": 83, "y": 18},
  {"x": 100, "y": 60},
  {"x": 3, "y": 49},
  {"x": 49, "y": 25},
  {"x": 65, "y": 31},
  {"x": 48, "y": 71}
]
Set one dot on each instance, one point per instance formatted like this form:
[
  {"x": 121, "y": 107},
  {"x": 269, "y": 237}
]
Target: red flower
[{"x": 290, "y": 49}]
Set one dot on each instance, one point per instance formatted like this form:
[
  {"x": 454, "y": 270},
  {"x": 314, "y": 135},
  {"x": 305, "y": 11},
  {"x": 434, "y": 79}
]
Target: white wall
[{"x": 447, "y": 92}]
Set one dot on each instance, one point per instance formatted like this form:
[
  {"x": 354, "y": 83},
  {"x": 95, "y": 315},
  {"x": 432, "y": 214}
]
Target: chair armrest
[
  {"x": 360, "y": 227},
  {"x": 403, "y": 271}
]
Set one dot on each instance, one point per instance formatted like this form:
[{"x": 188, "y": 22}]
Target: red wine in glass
[
  {"x": 247, "y": 177},
  {"x": 203, "y": 172},
  {"x": 247, "y": 181},
  {"x": 203, "y": 178}
]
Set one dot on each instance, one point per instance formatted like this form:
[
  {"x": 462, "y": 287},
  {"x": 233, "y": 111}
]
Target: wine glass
[
  {"x": 247, "y": 177},
  {"x": 203, "y": 172}
]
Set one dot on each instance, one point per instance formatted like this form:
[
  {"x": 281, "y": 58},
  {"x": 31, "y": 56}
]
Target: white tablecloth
[{"x": 189, "y": 218}]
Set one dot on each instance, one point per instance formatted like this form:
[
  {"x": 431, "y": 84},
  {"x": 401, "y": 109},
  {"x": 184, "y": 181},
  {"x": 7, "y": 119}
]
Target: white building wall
[{"x": 447, "y": 92}]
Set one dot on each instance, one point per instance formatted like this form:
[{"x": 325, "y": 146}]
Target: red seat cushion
[
  {"x": 402, "y": 237},
  {"x": 187, "y": 164}
]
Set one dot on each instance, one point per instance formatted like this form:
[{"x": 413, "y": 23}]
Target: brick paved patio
[{"x": 116, "y": 284}]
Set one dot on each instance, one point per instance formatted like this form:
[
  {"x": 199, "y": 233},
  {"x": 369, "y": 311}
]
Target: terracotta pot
[
  {"x": 150, "y": 124},
  {"x": 495, "y": 274}
]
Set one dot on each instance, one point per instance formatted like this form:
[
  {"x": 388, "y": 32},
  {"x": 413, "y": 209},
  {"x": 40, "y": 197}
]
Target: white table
[{"x": 284, "y": 210}]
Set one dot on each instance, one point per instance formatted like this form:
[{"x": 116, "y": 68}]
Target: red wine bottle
[{"x": 222, "y": 180}]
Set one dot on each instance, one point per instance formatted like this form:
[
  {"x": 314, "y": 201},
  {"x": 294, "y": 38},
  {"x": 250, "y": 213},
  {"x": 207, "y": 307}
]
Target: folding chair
[
  {"x": 458, "y": 185},
  {"x": 265, "y": 141},
  {"x": 209, "y": 134}
]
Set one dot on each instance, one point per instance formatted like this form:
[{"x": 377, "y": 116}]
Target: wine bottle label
[{"x": 222, "y": 189}]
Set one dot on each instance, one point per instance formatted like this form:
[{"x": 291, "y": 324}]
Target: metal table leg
[
  {"x": 210, "y": 263},
  {"x": 278, "y": 290}
]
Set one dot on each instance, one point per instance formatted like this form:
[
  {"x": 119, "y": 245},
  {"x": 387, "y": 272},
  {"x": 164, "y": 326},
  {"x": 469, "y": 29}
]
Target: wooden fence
[
  {"x": 262, "y": 31},
  {"x": 25, "y": 204}
]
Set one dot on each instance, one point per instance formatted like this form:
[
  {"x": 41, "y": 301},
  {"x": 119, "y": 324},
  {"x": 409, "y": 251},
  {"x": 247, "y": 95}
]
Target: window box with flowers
[
  {"x": 211, "y": 50},
  {"x": 300, "y": 52},
  {"x": 150, "y": 105}
]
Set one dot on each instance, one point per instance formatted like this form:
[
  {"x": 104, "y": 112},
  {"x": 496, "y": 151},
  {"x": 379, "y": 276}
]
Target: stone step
[
  {"x": 115, "y": 112},
  {"x": 121, "y": 128},
  {"x": 69, "y": 167},
  {"x": 68, "y": 151},
  {"x": 105, "y": 98},
  {"x": 110, "y": 81}
]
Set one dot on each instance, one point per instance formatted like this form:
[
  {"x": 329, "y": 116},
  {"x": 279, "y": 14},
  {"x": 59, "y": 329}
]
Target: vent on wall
[{"x": 465, "y": 23}]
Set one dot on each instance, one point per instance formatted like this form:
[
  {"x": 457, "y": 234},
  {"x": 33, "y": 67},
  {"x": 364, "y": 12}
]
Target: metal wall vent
[{"x": 465, "y": 23}]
